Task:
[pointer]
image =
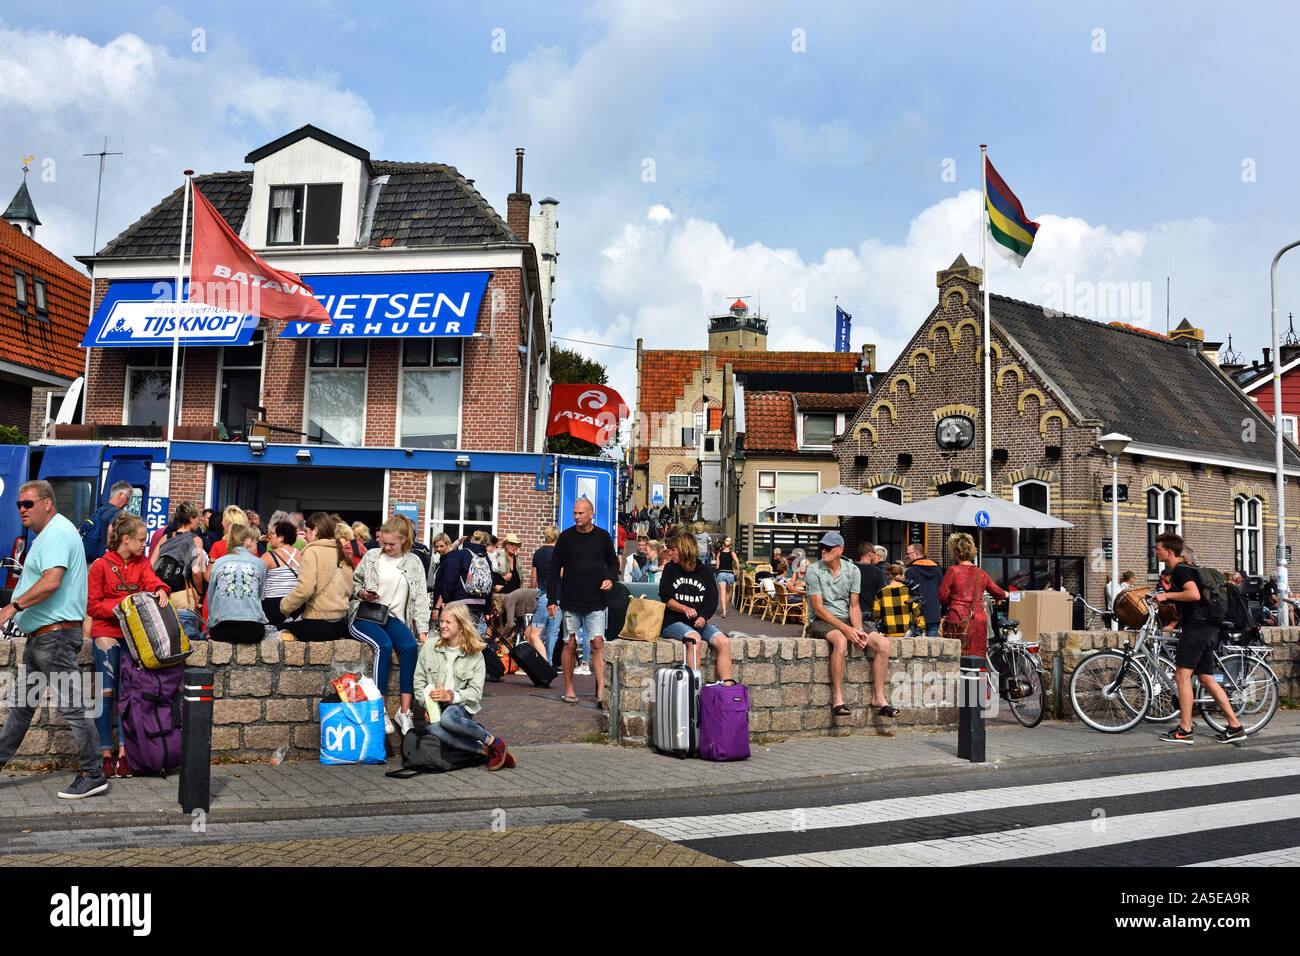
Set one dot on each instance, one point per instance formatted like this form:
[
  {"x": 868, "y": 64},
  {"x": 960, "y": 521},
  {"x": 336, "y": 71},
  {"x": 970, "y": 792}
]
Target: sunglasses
[{"x": 27, "y": 504}]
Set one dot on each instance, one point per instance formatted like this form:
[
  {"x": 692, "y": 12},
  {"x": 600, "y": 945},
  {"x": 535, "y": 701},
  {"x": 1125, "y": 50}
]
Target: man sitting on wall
[{"x": 833, "y": 589}]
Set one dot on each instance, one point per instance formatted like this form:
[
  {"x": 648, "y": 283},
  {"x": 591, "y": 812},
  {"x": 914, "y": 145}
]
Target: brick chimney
[{"x": 519, "y": 204}]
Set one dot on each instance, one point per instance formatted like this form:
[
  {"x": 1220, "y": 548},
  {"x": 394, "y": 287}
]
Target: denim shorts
[
  {"x": 681, "y": 630},
  {"x": 726, "y": 577},
  {"x": 593, "y": 623}
]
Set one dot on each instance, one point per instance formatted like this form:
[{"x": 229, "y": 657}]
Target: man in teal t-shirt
[{"x": 49, "y": 605}]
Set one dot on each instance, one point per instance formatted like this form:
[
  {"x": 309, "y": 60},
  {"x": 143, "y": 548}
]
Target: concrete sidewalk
[{"x": 564, "y": 773}]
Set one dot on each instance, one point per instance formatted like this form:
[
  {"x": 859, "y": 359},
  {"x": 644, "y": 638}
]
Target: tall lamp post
[
  {"x": 1283, "y": 585},
  {"x": 1114, "y": 445}
]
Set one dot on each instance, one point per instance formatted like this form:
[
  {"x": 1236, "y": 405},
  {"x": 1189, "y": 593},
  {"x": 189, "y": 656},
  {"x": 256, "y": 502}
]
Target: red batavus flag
[
  {"x": 589, "y": 412},
  {"x": 227, "y": 274}
]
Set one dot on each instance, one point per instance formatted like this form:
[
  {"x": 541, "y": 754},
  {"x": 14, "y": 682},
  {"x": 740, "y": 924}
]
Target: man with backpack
[
  {"x": 94, "y": 530},
  {"x": 1201, "y": 594}
]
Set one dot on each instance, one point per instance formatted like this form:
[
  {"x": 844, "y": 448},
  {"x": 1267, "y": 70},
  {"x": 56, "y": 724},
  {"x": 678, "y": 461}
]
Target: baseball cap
[{"x": 832, "y": 539}]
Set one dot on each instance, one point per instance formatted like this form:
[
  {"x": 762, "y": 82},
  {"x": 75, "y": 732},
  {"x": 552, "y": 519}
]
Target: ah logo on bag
[{"x": 340, "y": 738}]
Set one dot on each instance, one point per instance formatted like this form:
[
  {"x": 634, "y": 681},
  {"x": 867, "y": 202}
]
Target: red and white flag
[
  {"x": 589, "y": 412},
  {"x": 227, "y": 274}
]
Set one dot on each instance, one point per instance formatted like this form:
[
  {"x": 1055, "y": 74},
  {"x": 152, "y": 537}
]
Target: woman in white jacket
[{"x": 394, "y": 577}]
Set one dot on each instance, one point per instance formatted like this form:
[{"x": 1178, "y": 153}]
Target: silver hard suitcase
[{"x": 677, "y": 708}]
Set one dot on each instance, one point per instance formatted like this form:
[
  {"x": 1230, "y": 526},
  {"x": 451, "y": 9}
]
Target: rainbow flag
[{"x": 1008, "y": 224}]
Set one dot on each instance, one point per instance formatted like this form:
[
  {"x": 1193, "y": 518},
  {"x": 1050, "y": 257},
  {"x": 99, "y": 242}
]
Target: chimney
[
  {"x": 1268, "y": 360},
  {"x": 519, "y": 204}
]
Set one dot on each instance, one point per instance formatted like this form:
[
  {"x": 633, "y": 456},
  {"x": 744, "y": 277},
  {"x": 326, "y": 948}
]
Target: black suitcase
[
  {"x": 536, "y": 666},
  {"x": 495, "y": 669}
]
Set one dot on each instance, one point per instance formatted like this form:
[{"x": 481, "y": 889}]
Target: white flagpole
[
  {"x": 176, "y": 329},
  {"x": 988, "y": 356}
]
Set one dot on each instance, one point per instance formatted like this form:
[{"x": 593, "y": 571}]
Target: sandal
[
  {"x": 570, "y": 698},
  {"x": 888, "y": 711},
  {"x": 841, "y": 710}
]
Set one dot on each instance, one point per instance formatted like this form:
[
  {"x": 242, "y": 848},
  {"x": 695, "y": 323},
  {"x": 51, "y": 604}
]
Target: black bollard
[
  {"x": 196, "y": 739},
  {"x": 970, "y": 716}
]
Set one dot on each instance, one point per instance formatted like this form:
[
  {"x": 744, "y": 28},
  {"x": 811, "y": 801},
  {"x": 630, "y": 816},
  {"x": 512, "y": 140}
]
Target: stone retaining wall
[
  {"x": 789, "y": 685},
  {"x": 265, "y": 697}
]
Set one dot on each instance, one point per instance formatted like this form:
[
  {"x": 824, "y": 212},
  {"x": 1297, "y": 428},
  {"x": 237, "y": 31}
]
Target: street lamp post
[
  {"x": 1114, "y": 444},
  {"x": 1283, "y": 611}
]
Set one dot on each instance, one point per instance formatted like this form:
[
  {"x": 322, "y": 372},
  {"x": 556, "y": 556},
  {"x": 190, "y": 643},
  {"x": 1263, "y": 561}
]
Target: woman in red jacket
[
  {"x": 121, "y": 571},
  {"x": 962, "y": 593}
]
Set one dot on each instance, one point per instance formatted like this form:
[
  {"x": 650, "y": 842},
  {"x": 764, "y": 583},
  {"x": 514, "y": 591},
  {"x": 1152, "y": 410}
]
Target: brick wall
[{"x": 16, "y": 406}]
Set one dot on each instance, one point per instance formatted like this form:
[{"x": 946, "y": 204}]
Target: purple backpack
[
  {"x": 724, "y": 722},
  {"x": 149, "y": 708}
]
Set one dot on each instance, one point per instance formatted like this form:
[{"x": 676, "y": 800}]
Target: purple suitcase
[
  {"x": 149, "y": 709},
  {"x": 724, "y": 722}
]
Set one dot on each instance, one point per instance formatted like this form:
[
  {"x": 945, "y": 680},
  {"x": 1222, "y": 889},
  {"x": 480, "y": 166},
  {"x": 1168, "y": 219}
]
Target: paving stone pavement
[
  {"x": 597, "y": 843},
  {"x": 560, "y": 773}
]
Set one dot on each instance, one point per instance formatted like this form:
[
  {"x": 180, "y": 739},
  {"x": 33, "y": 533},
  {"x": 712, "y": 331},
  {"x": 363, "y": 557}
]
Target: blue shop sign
[
  {"x": 395, "y": 305},
  {"x": 147, "y": 314}
]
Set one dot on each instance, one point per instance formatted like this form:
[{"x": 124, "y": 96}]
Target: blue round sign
[{"x": 982, "y": 519}]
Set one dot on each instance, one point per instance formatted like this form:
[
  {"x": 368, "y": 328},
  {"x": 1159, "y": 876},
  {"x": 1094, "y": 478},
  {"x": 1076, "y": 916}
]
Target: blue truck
[{"x": 81, "y": 475}]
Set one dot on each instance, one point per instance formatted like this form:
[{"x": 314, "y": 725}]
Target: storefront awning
[{"x": 369, "y": 305}]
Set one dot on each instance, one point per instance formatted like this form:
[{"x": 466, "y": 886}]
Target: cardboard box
[{"x": 1041, "y": 612}]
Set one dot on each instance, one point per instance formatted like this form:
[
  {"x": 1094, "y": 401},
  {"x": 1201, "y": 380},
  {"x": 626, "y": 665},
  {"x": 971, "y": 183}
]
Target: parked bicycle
[
  {"x": 1014, "y": 664},
  {"x": 1092, "y": 614},
  {"x": 1115, "y": 690}
]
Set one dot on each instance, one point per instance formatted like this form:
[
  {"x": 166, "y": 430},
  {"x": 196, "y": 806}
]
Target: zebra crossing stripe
[
  {"x": 1286, "y": 857},
  {"x": 969, "y": 801},
  {"x": 1056, "y": 838}
]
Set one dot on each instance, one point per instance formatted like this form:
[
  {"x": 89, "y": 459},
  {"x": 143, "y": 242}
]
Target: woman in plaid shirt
[{"x": 894, "y": 606}]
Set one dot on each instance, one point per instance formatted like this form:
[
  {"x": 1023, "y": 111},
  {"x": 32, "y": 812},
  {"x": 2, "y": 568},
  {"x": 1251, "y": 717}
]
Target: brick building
[
  {"x": 1201, "y": 460},
  {"x": 692, "y": 403},
  {"x": 425, "y": 395},
  {"x": 44, "y": 302}
]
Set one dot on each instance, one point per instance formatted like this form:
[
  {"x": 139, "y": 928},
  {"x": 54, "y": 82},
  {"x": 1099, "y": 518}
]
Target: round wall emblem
[{"x": 954, "y": 432}]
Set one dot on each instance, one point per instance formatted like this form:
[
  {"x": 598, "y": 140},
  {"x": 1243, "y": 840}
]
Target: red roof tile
[
  {"x": 769, "y": 422},
  {"x": 48, "y": 346},
  {"x": 831, "y": 401},
  {"x": 715, "y": 418}
]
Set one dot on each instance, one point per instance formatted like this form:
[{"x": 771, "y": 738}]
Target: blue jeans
[
  {"x": 393, "y": 636},
  {"x": 584, "y": 627},
  {"x": 107, "y": 665},
  {"x": 932, "y": 630},
  {"x": 726, "y": 577},
  {"x": 50, "y": 661},
  {"x": 681, "y": 630},
  {"x": 456, "y": 728},
  {"x": 550, "y": 625}
]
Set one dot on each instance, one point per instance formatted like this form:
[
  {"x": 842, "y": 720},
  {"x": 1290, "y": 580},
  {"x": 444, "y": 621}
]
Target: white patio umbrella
[
  {"x": 976, "y": 508},
  {"x": 843, "y": 502}
]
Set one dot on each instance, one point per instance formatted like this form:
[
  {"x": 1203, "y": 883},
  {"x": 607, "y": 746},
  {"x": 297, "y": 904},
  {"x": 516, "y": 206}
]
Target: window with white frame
[
  {"x": 1164, "y": 511},
  {"x": 776, "y": 487},
  {"x": 431, "y": 383},
  {"x": 1035, "y": 495},
  {"x": 463, "y": 502},
  {"x": 1248, "y": 531},
  {"x": 53, "y": 403},
  {"x": 818, "y": 429},
  {"x": 148, "y": 382},
  {"x": 20, "y": 290},
  {"x": 336, "y": 391},
  {"x": 304, "y": 215},
  {"x": 1289, "y": 426}
]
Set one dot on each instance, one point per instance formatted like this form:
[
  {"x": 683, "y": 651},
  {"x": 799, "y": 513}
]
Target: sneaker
[
  {"x": 108, "y": 766},
  {"x": 123, "y": 768},
  {"x": 1231, "y": 735},
  {"x": 510, "y": 761},
  {"x": 497, "y": 754},
  {"x": 1177, "y": 736},
  {"x": 582, "y": 670},
  {"x": 83, "y": 786},
  {"x": 405, "y": 722},
  {"x": 389, "y": 728}
]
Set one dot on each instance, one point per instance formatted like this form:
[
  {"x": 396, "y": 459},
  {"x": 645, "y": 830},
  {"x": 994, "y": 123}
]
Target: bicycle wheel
[
  {"x": 1253, "y": 695},
  {"x": 1110, "y": 692},
  {"x": 1164, "y": 693},
  {"x": 1026, "y": 679}
]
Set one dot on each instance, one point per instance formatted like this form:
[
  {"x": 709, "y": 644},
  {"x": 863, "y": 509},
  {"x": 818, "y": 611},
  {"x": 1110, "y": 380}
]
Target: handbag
[
  {"x": 372, "y": 611},
  {"x": 644, "y": 620},
  {"x": 959, "y": 630}
]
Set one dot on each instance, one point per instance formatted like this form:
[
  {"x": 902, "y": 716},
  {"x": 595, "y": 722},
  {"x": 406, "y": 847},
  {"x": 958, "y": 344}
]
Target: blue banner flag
[{"x": 842, "y": 322}]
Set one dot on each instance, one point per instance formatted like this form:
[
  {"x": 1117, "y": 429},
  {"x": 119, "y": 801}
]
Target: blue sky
[{"x": 792, "y": 175}]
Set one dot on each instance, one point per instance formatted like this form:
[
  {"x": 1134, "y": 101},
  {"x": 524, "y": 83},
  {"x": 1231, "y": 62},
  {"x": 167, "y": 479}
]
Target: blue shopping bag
[{"x": 352, "y": 733}]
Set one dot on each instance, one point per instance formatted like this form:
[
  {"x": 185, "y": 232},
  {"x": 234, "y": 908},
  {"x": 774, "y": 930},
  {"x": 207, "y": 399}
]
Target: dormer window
[
  {"x": 20, "y": 291},
  {"x": 38, "y": 296},
  {"x": 304, "y": 215},
  {"x": 818, "y": 429}
]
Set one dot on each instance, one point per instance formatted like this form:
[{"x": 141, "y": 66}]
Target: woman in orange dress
[{"x": 962, "y": 592}]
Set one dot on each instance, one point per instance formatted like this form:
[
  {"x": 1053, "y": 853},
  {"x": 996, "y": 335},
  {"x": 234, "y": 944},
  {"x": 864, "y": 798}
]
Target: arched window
[
  {"x": 1248, "y": 529},
  {"x": 1164, "y": 513},
  {"x": 891, "y": 534},
  {"x": 1035, "y": 495}
]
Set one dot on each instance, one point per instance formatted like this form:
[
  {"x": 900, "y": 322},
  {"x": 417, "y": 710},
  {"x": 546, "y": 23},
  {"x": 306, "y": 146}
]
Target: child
[{"x": 894, "y": 606}]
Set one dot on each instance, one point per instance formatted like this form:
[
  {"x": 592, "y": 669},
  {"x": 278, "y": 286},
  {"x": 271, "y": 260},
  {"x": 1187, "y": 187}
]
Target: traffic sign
[{"x": 982, "y": 519}]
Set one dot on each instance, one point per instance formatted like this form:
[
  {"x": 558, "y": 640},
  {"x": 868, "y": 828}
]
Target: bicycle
[
  {"x": 1114, "y": 690},
  {"x": 1093, "y": 613},
  {"x": 1014, "y": 664}
]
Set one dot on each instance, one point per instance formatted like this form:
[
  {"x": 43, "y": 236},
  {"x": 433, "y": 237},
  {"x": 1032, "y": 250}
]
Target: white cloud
[{"x": 659, "y": 213}]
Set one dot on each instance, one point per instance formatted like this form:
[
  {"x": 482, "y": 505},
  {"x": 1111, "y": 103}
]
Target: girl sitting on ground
[{"x": 449, "y": 678}]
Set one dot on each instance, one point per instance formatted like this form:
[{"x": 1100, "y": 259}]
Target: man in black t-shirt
[
  {"x": 873, "y": 576},
  {"x": 584, "y": 555},
  {"x": 1195, "y": 645}
]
